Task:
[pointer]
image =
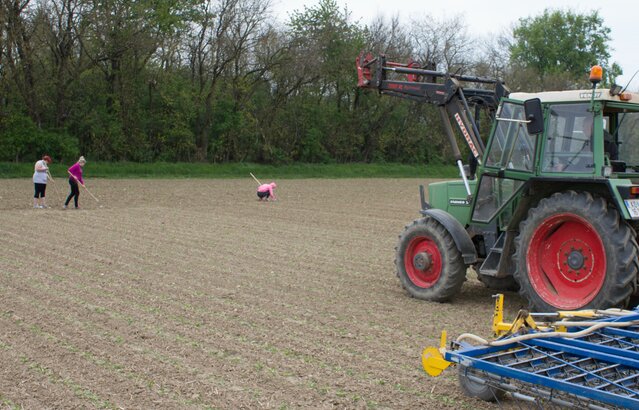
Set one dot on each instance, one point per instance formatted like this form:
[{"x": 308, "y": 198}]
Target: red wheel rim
[
  {"x": 566, "y": 261},
  {"x": 423, "y": 262}
]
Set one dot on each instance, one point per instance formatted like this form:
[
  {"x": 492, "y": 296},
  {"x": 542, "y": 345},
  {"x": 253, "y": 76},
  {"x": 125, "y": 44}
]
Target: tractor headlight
[{"x": 607, "y": 171}]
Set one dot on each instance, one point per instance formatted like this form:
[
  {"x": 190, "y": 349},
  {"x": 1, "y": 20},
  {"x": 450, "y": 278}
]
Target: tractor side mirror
[{"x": 534, "y": 116}]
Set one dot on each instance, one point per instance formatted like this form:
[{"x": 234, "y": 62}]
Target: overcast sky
[{"x": 484, "y": 17}]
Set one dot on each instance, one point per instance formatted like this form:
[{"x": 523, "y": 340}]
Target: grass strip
[{"x": 238, "y": 170}]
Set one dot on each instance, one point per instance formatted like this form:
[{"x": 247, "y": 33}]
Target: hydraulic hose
[{"x": 593, "y": 326}]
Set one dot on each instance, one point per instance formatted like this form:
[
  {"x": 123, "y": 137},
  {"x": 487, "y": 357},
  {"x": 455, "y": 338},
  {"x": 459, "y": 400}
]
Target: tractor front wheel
[
  {"x": 429, "y": 265},
  {"x": 574, "y": 252}
]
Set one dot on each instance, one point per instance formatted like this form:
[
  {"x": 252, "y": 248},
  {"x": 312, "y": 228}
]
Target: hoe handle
[{"x": 256, "y": 180}]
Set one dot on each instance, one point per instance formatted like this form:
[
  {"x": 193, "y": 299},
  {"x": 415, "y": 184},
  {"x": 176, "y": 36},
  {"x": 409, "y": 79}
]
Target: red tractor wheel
[
  {"x": 428, "y": 263},
  {"x": 574, "y": 252}
]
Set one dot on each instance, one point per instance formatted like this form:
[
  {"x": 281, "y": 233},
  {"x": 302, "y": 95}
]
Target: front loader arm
[{"x": 442, "y": 89}]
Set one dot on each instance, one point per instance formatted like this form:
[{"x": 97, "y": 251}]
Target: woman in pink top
[
  {"x": 75, "y": 178},
  {"x": 265, "y": 191}
]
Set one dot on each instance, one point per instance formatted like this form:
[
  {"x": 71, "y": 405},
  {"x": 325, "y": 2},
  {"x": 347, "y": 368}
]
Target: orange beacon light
[{"x": 596, "y": 74}]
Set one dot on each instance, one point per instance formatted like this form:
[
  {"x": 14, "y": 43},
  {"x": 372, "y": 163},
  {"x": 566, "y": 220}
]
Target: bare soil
[{"x": 193, "y": 294}]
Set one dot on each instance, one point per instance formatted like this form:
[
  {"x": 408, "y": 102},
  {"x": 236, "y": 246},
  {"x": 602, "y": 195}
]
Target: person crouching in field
[
  {"x": 40, "y": 177},
  {"x": 75, "y": 178},
  {"x": 265, "y": 191}
]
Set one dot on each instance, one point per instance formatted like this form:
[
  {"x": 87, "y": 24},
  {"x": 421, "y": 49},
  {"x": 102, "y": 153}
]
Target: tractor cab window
[
  {"x": 512, "y": 147},
  {"x": 627, "y": 136},
  {"x": 568, "y": 145}
]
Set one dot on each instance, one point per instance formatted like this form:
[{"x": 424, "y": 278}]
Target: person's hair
[
  {"x": 82, "y": 159},
  {"x": 47, "y": 158}
]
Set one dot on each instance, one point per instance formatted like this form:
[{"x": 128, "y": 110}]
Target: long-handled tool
[
  {"x": 87, "y": 189},
  {"x": 55, "y": 190},
  {"x": 92, "y": 196},
  {"x": 256, "y": 180}
]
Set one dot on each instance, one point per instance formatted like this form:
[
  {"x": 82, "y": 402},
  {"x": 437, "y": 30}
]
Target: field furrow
[{"x": 193, "y": 294}]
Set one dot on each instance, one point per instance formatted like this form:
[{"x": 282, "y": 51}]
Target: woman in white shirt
[{"x": 40, "y": 178}]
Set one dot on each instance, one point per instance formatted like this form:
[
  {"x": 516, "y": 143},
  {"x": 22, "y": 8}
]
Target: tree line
[{"x": 226, "y": 81}]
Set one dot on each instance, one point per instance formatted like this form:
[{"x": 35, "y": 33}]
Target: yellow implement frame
[{"x": 433, "y": 360}]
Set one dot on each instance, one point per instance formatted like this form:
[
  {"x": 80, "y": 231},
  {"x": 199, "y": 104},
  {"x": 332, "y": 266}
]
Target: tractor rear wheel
[
  {"x": 574, "y": 252},
  {"x": 429, "y": 265}
]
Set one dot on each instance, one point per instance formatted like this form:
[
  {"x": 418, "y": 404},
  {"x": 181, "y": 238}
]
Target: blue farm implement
[{"x": 579, "y": 359}]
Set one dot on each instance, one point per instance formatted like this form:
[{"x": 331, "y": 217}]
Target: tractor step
[{"x": 490, "y": 266}]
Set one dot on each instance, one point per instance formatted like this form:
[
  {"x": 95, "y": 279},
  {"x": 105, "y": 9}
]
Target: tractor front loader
[{"x": 553, "y": 208}]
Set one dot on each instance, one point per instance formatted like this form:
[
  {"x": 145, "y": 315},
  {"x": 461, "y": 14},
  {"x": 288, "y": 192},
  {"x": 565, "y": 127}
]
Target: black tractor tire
[
  {"x": 472, "y": 388},
  {"x": 575, "y": 252},
  {"x": 428, "y": 263}
]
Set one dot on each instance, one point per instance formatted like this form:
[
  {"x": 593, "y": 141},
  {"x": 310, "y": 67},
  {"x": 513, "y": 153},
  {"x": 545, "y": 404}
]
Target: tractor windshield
[{"x": 512, "y": 147}]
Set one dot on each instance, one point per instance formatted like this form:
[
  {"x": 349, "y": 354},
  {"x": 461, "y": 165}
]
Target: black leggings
[
  {"x": 40, "y": 190},
  {"x": 75, "y": 192}
]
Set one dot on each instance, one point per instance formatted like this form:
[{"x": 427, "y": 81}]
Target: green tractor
[{"x": 548, "y": 206}]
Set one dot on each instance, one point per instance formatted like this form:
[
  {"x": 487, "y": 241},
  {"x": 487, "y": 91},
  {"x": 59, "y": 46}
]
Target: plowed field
[{"x": 193, "y": 294}]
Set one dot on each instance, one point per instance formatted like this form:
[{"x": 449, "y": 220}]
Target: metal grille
[{"x": 600, "y": 370}]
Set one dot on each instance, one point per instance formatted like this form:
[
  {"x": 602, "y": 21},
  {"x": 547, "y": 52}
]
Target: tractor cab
[
  {"x": 580, "y": 139},
  {"x": 585, "y": 134}
]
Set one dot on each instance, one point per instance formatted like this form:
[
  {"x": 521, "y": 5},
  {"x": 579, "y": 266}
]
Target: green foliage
[
  {"x": 59, "y": 145},
  {"x": 218, "y": 81},
  {"x": 170, "y": 123},
  {"x": 324, "y": 42},
  {"x": 561, "y": 45},
  {"x": 238, "y": 170},
  {"x": 21, "y": 140},
  {"x": 232, "y": 133},
  {"x": 18, "y": 138},
  {"x": 312, "y": 150}
]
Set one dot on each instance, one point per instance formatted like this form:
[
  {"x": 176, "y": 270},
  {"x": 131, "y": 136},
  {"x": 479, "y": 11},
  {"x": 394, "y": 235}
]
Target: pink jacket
[
  {"x": 76, "y": 171},
  {"x": 268, "y": 188}
]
